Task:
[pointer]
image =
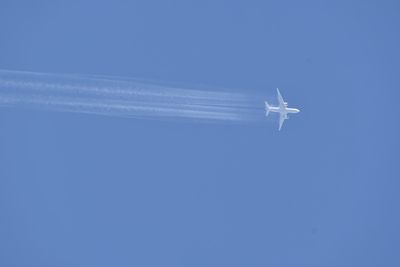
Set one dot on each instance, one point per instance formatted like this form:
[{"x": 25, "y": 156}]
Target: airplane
[{"x": 282, "y": 109}]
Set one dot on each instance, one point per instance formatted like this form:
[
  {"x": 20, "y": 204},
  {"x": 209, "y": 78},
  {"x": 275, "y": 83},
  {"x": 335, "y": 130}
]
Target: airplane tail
[{"x": 267, "y": 108}]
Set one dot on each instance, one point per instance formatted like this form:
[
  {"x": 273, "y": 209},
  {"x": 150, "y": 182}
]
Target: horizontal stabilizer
[{"x": 267, "y": 108}]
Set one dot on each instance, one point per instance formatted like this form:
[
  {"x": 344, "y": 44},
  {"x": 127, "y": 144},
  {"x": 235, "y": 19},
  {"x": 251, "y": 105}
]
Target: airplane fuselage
[{"x": 286, "y": 110}]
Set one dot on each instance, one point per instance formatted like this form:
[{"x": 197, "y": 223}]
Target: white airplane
[{"x": 282, "y": 109}]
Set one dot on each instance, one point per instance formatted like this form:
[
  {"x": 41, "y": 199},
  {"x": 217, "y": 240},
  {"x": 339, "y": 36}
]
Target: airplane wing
[
  {"x": 282, "y": 118},
  {"x": 280, "y": 100}
]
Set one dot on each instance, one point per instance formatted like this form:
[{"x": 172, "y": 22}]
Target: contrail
[{"x": 114, "y": 96}]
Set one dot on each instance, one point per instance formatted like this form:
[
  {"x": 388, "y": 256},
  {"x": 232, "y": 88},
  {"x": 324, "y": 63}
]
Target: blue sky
[{"x": 79, "y": 190}]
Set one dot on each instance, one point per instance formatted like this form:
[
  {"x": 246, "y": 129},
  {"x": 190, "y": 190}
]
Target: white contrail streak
[{"x": 122, "y": 97}]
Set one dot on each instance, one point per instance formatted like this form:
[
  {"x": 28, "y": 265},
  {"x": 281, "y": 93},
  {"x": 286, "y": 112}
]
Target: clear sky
[{"x": 88, "y": 190}]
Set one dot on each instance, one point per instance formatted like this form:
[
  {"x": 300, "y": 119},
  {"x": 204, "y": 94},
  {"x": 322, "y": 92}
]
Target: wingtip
[{"x": 278, "y": 92}]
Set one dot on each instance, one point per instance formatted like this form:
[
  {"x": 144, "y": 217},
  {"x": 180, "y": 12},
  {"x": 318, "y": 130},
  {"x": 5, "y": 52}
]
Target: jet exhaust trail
[{"x": 122, "y": 97}]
